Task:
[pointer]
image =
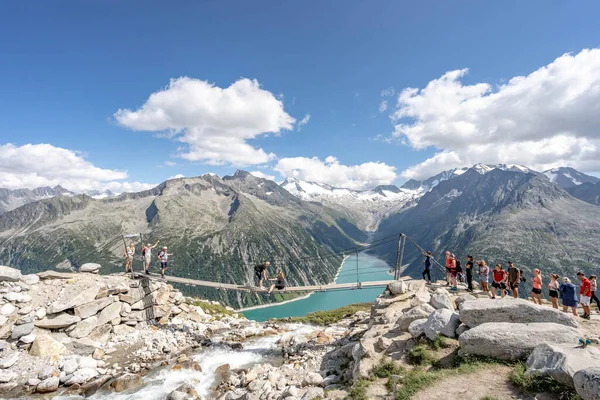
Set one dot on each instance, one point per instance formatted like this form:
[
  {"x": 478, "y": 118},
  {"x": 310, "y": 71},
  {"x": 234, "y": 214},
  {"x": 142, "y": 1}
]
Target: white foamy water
[{"x": 158, "y": 384}]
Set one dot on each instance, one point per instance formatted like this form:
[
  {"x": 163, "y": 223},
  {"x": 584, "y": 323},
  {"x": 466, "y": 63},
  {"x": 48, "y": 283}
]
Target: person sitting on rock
[
  {"x": 260, "y": 273},
  {"x": 568, "y": 295},
  {"x": 499, "y": 281},
  {"x": 536, "y": 292},
  {"x": 553, "y": 290},
  {"x": 484, "y": 275},
  {"x": 279, "y": 282}
]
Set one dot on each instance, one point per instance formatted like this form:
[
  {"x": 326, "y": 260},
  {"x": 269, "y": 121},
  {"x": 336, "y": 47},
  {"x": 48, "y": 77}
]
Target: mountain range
[{"x": 218, "y": 228}]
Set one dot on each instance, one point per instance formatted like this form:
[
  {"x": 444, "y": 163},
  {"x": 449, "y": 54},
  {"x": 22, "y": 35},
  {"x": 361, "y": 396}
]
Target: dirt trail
[{"x": 491, "y": 382}]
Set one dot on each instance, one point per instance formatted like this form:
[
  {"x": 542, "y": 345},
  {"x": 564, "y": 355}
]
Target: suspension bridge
[{"x": 359, "y": 273}]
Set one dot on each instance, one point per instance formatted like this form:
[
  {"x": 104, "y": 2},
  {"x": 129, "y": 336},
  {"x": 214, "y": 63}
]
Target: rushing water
[{"x": 370, "y": 269}]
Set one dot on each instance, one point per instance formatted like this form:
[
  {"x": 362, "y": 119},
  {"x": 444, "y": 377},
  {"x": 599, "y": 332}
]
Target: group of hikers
[
  {"x": 506, "y": 282},
  {"x": 163, "y": 257}
]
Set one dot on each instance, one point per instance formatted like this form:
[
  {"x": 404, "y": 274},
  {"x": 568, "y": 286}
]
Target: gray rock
[
  {"x": 397, "y": 287},
  {"x": 7, "y": 376},
  {"x": 419, "y": 312},
  {"x": 46, "y": 372},
  {"x": 88, "y": 362},
  {"x": 81, "y": 376},
  {"x": 48, "y": 385},
  {"x": 126, "y": 382},
  {"x": 84, "y": 328},
  {"x": 416, "y": 328},
  {"x": 28, "y": 338},
  {"x": 313, "y": 393},
  {"x": 18, "y": 297},
  {"x": 122, "y": 329},
  {"x": 441, "y": 322},
  {"x": 55, "y": 275},
  {"x": 30, "y": 279},
  {"x": 70, "y": 366},
  {"x": 562, "y": 361},
  {"x": 7, "y": 309},
  {"x": 93, "y": 307},
  {"x": 462, "y": 328},
  {"x": 587, "y": 383},
  {"x": 45, "y": 345},
  {"x": 9, "y": 360},
  {"x": 90, "y": 267},
  {"x": 101, "y": 333},
  {"x": 441, "y": 299},
  {"x": 86, "y": 296},
  {"x": 312, "y": 379},
  {"x": 421, "y": 297},
  {"x": 473, "y": 313},
  {"x": 110, "y": 313},
  {"x": 33, "y": 381},
  {"x": 508, "y": 341},
  {"x": 57, "y": 321},
  {"x": 21, "y": 330},
  {"x": 8, "y": 274},
  {"x": 462, "y": 298}
]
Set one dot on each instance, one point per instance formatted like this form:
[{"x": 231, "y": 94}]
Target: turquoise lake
[{"x": 371, "y": 269}]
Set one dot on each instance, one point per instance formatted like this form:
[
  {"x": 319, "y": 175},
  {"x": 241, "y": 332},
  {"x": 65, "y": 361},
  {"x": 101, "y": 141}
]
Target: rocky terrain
[{"x": 88, "y": 335}]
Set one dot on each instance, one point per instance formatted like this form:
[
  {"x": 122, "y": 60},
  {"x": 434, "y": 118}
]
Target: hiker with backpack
[
  {"x": 454, "y": 270},
  {"x": 514, "y": 277},
  {"x": 147, "y": 254},
  {"x": 536, "y": 292},
  {"x": 499, "y": 281},
  {"x": 568, "y": 295},
  {"x": 449, "y": 266},
  {"x": 427, "y": 271},
  {"x": 260, "y": 274},
  {"x": 163, "y": 256}
]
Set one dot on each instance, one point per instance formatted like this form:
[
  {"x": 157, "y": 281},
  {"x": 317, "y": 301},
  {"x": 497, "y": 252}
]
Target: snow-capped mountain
[
  {"x": 567, "y": 177},
  {"x": 365, "y": 208},
  {"x": 97, "y": 194}
]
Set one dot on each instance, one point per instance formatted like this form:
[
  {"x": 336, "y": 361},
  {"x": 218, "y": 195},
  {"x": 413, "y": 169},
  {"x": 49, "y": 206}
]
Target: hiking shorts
[
  {"x": 585, "y": 300},
  {"x": 484, "y": 278},
  {"x": 164, "y": 265},
  {"x": 148, "y": 257},
  {"x": 258, "y": 276},
  {"x": 536, "y": 291},
  {"x": 453, "y": 272},
  {"x": 553, "y": 293},
  {"x": 514, "y": 285},
  {"x": 499, "y": 285}
]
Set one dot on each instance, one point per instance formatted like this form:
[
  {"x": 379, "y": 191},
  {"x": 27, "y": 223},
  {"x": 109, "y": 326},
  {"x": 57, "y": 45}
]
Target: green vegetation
[
  {"x": 488, "y": 397},
  {"x": 359, "y": 389},
  {"x": 387, "y": 369},
  {"x": 440, "y": 342},
  {"x": 329, "y": 317},
  {"x": 213, "y": 309},
  {"x": 541, "y": 384},
  {"x": 420, "y": 355}
]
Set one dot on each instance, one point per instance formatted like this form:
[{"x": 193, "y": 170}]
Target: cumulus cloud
[
  {"x": 331, "y": 172},
  {"x": 303, "y": 121},
  {"x": 170, "y": 163},
  {"x": 176, "y": 176},
  {"x": 260, "y": 174},
  {"x": 546, "y": 119},
  {"x": 35, "y": 165},
  {"x": 214, "y": 123},
  {"x": 383, "y": 106}
]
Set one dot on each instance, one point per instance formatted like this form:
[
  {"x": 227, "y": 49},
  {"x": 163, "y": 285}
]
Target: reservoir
[{"x": 370, "y": 269}]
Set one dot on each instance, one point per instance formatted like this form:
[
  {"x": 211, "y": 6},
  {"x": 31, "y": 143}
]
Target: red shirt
[
  {"x": 586, "y": 287},
  {"x": 499, "y": 275}
]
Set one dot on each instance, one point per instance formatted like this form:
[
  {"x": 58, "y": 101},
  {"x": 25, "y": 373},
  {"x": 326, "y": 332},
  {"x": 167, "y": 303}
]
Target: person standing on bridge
[
  {"x": 129, "y": 252},
  {"x": 147, "y": 253},
  {"x": 427, "y": 271},
  {"x": 260, "y": 273},
  {"x": 163, "y": 256}
]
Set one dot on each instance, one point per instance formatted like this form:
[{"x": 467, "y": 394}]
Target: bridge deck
[{"x": 245, "y": 288}]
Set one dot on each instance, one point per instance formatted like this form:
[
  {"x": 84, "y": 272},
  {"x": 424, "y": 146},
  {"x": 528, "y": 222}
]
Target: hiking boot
[
  {"x": 147, "y": 272},
  {"x": 585, "y": 316}
]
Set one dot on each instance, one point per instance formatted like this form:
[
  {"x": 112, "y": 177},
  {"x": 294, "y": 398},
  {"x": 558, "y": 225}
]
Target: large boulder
[
  {"x": 84, "y": 327},
  {"x": 55, "y": 275},
  {"x": 473, "y": 313},
  {"x": 19, "y": 331},
  {"x": 93, "y": 307},
  {"x": 126, "y": 382},
  {"x": 397, "y": 287},
  {"x": 30, "y": 279},
  {"x": 419, "y": 312},
  {"x": 562, "y": 361},
  {"x": 441, "y": 322},
  {"x": 508, "y": 341},
  {"x": 48, "y": 385},
  {"x": 587, "y": 383},
  {"x": 86, "y": 296},
  {"x": 8, "y": 274},
  {"x": 416, "y": 328},
  {"x": 45, "y": 345},
  {"x": 57, "y": 321},
  {"x": 90, "y": 267},
  {"x": 110, "y": 313},
  {"x": 421, "y": 297},
  {"x": 462, "y": 298},
  {"x": 441, "y": 299}
]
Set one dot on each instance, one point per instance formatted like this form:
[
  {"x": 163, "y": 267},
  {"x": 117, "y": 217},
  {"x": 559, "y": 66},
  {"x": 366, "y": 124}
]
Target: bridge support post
[{"x": 399, "y": 256}]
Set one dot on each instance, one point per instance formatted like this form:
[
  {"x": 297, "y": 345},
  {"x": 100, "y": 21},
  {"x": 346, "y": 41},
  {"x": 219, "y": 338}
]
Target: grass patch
[
  {"x": 440, "y": 342},
  {"x": 488, "y": 397},
  {"x": 212, "y": 309},
  {"x": 387, "y": 369},
  {"x": 359, "y": 389},
  {"x": 420, "y": 355},
  {"x": 541, "y": 384},
  {"x": 329, "y": 317}
]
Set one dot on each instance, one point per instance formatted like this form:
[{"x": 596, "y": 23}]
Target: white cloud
[
  {"x": 546, "y": 119},
  {"x": 35, "y": 165},
  {"x": 303, "y": 121},
  {"x": 260, "y": 174},
  {"x": 176, "y": 176},
  {"x": 170, "y": 163},
  {"x": 330, "y": 171},
  {"x": 213, "y": 122},
  {"x": 383, "y": 106},
  {"x": 389, "y": 92}
]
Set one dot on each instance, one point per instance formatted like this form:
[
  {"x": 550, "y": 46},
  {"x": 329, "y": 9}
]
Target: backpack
[
  {"x": 523, "y": 279},
  {"x": 144, "y": 251},
  {"x": 458, "y": 266},
  {"x": 259, "y": 268}
]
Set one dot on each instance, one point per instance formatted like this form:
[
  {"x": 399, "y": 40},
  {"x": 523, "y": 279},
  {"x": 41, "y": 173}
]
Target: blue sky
[{"x": 68, "y": 67}]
